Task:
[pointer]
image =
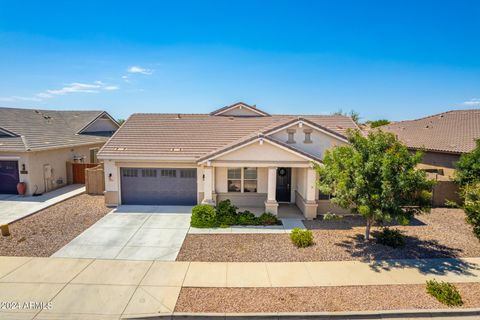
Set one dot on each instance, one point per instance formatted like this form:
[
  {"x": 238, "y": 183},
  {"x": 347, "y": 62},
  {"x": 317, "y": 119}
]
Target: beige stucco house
[
  {"x": 238, "y": 152},
  {"x": 443, "y": 137},
  {"x": 35, "y": 145}
]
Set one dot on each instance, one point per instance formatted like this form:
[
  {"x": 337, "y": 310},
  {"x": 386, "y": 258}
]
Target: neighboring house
[
  {"x": 444, "y": 138},
  {"x": 238, "y": 152},
  {"x": 35, "y": 145}
]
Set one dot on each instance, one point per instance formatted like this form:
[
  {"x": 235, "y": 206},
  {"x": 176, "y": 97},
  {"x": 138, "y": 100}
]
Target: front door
[{"x": 284, "y": 181}]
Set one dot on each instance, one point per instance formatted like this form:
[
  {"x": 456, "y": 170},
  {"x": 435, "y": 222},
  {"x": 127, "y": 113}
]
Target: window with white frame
[{"x": 242, "y": 179}]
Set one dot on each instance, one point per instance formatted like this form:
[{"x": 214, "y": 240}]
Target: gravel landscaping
[
  {"x": 443, "y": 233},
  {"x": 317, "y": 299},
  {"x": 45, "y": 232}
]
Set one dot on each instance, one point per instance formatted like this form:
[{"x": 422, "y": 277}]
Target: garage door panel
[
  {"x": 159, "y": 186},
  {"x": 8, "y": 177}
]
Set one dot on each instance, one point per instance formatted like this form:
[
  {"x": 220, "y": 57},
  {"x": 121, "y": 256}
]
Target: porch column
[
  {"x": 271, "y": 205},
  {"x": 207, "y": 186},
  {"x": 311, "y": 204}
]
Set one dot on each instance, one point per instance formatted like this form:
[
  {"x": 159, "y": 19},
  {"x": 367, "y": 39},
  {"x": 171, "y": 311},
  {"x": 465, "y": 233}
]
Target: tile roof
[
  {"x": 194, "y": 136},
  {"x": 452, "y": 131},
  {"x": 30, "y": 130}
]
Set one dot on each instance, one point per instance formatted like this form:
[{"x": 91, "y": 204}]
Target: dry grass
[
  {"x": 442, "y": 233},
  {"x": 45, "y": 232},
  {"x": 317, "y": 299}
]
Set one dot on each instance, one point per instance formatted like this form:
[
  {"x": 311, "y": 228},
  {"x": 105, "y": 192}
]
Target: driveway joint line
[
  {"x": 131, "y": 237},
  {"x": 138, "y": 286}
]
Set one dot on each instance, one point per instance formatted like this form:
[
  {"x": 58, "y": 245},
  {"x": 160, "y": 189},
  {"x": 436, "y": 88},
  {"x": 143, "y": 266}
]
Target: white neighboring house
[
  {"x": 35, "y": 145},
  {"x": 238, "y": 152}
]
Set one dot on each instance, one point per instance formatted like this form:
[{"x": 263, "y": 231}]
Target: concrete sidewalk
[
  {"x": 15, "y": 207},
  {"x": 110, "y": 289}
]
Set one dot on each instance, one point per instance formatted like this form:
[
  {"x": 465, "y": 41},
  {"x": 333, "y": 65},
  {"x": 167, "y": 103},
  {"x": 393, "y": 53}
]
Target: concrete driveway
[
  {"x": 15, "y": 207},
  {"x": 133, "y": 233}
]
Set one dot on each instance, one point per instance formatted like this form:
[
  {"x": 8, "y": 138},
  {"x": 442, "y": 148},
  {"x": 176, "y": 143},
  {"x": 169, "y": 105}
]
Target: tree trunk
[{"x": 367, "y": 230}]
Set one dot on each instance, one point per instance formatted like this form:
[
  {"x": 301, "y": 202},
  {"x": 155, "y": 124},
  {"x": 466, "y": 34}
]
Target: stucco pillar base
[
  {"x": 111, "y": 198},
  {"x": 310, "y": 210},
  {"x": 209, "y": 202},
  {"x": 271, "y": 207}
]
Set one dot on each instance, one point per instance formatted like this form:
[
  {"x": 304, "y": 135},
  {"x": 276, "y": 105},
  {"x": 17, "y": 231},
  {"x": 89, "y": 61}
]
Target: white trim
[
  {"x": 298, "y": 122},
  {"x": 146, "y": 158},
  {"x": 241, "y": 105},
  {"x": 9, "y": 158},
  {"x": 95, "y": 119},
  {"x": 254, "y": 141}
]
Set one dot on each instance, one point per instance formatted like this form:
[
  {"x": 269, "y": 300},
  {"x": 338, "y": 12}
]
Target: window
[
  {"x": 93, "y": 155},
  {"x": 234, "y": 179},
  {"x": 130, "y": 172},
  {"x": 188, "y": 173},
  {"x": 171, "y": 173},
  {"x": 308, "y": 136},
  {"x": 149, "y": 173},
  {"x": 242, "y": 180},
  {"x": 291, "y": 136},
  {"x": 249, "y": 179}
]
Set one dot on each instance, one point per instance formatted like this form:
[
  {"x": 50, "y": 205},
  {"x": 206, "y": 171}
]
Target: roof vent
[
  {"x": 176, "y": 149},
  {"x": 120, "y": 149},
  {"x": 178, "y": 116},
  {"x": 231, "y": 118}
]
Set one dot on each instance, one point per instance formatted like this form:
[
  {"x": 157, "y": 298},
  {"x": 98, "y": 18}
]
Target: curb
[{"x": 389, "y": 314}]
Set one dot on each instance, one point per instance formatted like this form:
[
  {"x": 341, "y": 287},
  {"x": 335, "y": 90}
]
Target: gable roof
[
  {"x": 451, "y": 132},
  {"x": 32, "y": 130},
  {"x": 194, "y": 136},
  {"x": 239, "y": 105}
]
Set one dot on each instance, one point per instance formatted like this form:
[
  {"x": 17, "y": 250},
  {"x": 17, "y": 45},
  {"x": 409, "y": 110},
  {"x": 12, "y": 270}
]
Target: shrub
[
  {"x": 471, "y": 206},
  {"x": 444, "y": 292},
  {"x": 391, "y": 237},
  {"x": 268, "y": 219},
  {"x": 301, "y": 238},
  {"x": 331, "y": 217},
  {"x": 247, "y": 218},
  {"x": 226, "y": 213},
  {"x": 203, "y": 216}
]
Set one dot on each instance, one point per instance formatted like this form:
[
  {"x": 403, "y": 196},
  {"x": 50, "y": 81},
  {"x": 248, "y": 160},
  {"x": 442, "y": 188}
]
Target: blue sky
[{"x": 384, "y": 59}]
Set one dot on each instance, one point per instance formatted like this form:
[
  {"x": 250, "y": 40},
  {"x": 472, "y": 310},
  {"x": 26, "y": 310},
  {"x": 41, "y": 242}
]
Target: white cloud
[
  {"x": 475, "y": 102},
  {"x": 140, "y": 70},
  {"x": 75, "y": 87}
]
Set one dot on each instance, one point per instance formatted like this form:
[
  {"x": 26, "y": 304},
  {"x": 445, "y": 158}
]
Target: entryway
[
  {"x": 8, "y": 177},
  {"x": 284, "y": 184}
]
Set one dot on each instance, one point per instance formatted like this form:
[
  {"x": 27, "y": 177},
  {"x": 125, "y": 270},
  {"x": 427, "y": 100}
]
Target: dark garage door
[
  {"x": 8, "y": 176},
  {"x": 159, "y": 186}
]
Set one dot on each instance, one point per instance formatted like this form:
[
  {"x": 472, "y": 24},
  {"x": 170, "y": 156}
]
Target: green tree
[
  {"x": 120, "y": 121},
  {"x": 352, "y": 114},
  {"x": 378, "y": 123},
  {"x": 375, "y": 176},
  {"x": 471, "y": 206},
  {"x": 468, "y": 167}
]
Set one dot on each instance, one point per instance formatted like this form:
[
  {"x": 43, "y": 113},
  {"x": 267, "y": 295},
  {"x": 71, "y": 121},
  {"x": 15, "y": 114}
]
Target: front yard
[
  {"x": 442, "y": 233},
  {"x": 45, "y": 232}
]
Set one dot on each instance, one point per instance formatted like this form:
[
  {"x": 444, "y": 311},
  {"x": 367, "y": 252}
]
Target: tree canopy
[
  {"x": 468, "y": 167},
  {"x": 375, "y": 176}
]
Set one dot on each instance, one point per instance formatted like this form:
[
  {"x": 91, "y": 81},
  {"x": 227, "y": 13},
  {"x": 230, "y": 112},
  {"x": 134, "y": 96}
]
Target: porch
[{"x": 286, "y": 191}]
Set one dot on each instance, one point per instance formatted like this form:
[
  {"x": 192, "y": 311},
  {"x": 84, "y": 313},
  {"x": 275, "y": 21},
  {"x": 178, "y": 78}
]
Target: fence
[
  {"x": 78, "y": 171},
  {"x": 95, "y": 180}
]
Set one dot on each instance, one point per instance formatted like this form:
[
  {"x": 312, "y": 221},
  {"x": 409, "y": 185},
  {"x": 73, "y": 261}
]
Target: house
[
  {"x": 35, "y": 145},
  {"x": 238, "y": 152},
  {"x": 444, "y": 138}
]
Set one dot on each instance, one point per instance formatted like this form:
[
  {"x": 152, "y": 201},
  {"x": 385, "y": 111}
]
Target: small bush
[
  {"x": 247, "y": 218},
  {"x": 226, "y": 213},
  {"x": 471, "y": 207},
  {"x": 391, "y": 237},
  {"x": 268, "y": 219},
  {"x": 203, "y": 216},
  {"x": 331, "y": 217},
  {"x": 301, "y": 238},
  {"x": 444, "y": 292}
]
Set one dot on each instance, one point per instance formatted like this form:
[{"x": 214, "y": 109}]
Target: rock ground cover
[
  {"x": 317, "y": 299},
  {"x": 443, "y": 233},
  {"x": 45, "y": 232}
]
